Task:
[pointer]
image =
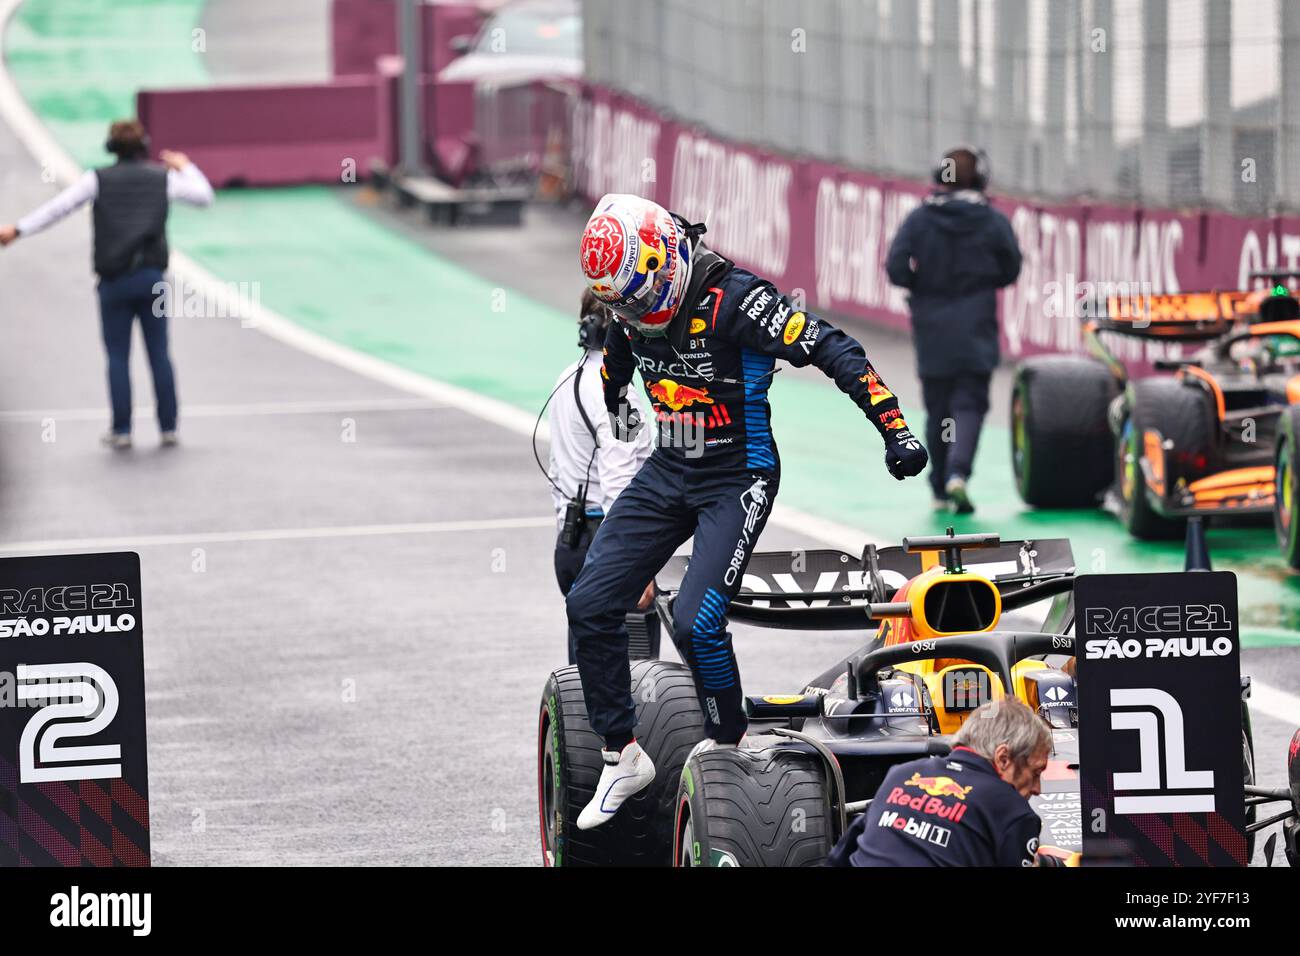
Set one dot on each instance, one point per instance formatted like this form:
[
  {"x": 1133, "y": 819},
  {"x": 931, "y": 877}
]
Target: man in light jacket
[{"x": 131, "y": 200}]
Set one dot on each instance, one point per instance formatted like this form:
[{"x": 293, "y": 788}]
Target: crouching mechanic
[
  {"x": 970, "y": 808},
  {"x": 705, "y": 336}
]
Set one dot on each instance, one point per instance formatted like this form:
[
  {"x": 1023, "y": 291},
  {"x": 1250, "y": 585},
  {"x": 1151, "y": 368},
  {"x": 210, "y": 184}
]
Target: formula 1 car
[
  {"x": 815, "y": 757},
  {"x": 1217, "y": 437}
]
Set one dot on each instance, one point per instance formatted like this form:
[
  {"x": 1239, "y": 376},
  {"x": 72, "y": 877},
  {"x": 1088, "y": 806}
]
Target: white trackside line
[
  {"x": 1274, "y": 702},
  {"x": 338, "y": 406},
  {"x": 46, "y": 150},
  {"x": 130, "y": 543}
]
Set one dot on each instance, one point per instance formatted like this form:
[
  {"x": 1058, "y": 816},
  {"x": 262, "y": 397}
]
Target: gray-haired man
[{"x": 970, "y": 808}]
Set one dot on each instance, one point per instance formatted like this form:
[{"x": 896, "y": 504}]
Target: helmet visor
[{"x": 643, "y": 307}]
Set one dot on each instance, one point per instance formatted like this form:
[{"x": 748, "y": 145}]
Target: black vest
[{"x": 130, "y": 218}]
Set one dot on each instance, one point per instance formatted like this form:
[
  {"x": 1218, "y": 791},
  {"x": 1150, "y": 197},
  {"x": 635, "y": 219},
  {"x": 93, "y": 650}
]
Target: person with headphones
[
  {"x": 131, "y": 200},
  {"x": 705, "y": 336},
  {"x": 952, "y": 254},
  {"x": 589, "y": 467}
]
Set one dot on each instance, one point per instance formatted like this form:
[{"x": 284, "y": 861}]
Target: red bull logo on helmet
[
  {"x": 653, "y": 252},
  {"x": 603, "y": 247},
  {"x": 676, "y": 395}
]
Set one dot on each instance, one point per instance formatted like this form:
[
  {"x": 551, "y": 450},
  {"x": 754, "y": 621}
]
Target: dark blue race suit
[
  {"x": 714, "y": 474},
  {"x": 942, "y": 811}
]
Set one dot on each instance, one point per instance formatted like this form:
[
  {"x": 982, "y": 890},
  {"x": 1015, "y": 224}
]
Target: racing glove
[
  {"x": 905, "y": 456},
  {"x": 624, "y": 418}
]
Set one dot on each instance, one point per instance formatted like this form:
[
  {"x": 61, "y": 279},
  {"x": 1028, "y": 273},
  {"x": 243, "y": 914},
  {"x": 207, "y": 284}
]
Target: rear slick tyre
[
  {"x": 1062, "y": 449},
  {"x": 669, "y": 724}
]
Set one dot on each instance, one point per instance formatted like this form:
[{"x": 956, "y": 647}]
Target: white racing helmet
[{"x": 637, "y": 260}]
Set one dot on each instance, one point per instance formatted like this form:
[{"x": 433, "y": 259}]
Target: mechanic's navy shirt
[
  {"x": 942, "y": 811},
  {"x": 710, "y": 399}
]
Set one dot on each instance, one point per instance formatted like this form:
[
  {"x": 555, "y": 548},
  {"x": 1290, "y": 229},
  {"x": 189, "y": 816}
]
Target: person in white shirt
[
  {"x": 589, "y": 467},
  {"x": 131, "y": 200}
]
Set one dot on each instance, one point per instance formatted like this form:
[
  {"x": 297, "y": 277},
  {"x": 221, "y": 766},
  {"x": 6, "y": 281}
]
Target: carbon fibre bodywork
[{"x": 890, "y": 700}]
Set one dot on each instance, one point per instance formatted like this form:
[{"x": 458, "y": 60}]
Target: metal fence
[{"x": 1160, "y": 102}]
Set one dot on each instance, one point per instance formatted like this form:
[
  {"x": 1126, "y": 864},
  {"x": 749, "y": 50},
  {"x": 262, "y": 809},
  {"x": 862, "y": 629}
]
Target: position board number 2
[{"x": 84, "y": 702}]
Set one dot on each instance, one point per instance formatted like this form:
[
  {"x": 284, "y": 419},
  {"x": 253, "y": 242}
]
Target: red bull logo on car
[
  {"x": 676, "y": 395},
  {"x": 938, "y": 786}
]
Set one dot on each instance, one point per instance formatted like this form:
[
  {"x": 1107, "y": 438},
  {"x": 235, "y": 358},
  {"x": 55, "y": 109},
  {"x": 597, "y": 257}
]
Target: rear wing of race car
[
  {"x": 1199, "y": 316},
  {"x": 827, "y": 589},
  {"x": 1214, "y": 316},
  {"x": 1183, "y": 316}
]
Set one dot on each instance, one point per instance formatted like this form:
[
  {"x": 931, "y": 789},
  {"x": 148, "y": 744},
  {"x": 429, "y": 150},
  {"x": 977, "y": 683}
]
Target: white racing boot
[{"x": 626, "y": 774}]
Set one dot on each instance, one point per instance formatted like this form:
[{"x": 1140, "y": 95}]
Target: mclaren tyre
[
  {"x": 669, "y": 723},
  {"x": 1062, "y": 449},
  {"x": 1180, "y": 417},
  {"x": 753, "y": 808},
  {"x": 1286, "y": 497}
]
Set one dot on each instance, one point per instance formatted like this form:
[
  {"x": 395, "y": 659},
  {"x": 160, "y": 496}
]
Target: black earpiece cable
[{"x": 538, "y": 424}]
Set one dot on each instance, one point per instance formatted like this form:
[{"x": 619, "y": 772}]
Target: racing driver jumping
[{"x": 705, "y": 336}]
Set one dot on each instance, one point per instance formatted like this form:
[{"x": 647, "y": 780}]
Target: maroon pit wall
[
  {"x": 277, "y": 135},
  {"x": 323, "y": 132},
  {"x": 825, "y": 229}
]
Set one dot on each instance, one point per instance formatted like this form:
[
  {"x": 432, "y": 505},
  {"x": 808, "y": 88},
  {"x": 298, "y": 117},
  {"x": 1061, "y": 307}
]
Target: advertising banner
[{"x": 824, "y": 229}]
